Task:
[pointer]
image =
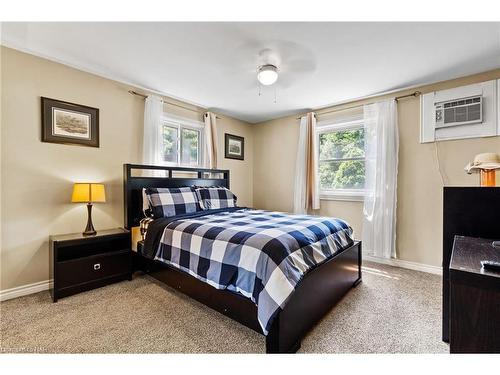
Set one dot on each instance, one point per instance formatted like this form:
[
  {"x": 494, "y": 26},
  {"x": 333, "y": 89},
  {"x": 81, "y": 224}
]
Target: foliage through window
[
  {"x": 170, "y": 136},
  {"x": 181, "y": 144},
  {"x": 190, "y": 146},
  {"x": 342, "y": 159}
]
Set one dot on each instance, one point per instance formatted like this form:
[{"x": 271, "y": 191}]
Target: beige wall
[
  {"x": 37, "y": 177},
  {"x": 241, "y": 171},
  {"x": 419, "y": 213}
]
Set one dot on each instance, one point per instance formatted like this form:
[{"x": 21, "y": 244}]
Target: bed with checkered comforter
[{"x": 261, "y": 254}]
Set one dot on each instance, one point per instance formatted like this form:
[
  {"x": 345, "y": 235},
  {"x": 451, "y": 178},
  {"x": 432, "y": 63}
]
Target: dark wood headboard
[{"x": 137, "y": 176}]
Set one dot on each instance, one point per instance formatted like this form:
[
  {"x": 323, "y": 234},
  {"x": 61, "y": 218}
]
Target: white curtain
[
  {"x": 210, "y": 140},
  {"x": 153, "y": 111},
  {"x": 381, "y": 150},
  {"x": 306, "y": 188}
]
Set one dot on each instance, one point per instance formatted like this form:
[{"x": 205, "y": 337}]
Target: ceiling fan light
[{"x": 267, "y": 75}]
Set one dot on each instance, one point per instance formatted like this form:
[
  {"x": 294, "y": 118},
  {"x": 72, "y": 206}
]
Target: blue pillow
[
  {"x": 211, "y": 198},
  {"x": 167, "y": 202}
]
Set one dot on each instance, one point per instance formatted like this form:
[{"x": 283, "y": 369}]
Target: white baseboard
[
  {"x": 406, "y": 264},
  {"x": 24, "y": 290}
]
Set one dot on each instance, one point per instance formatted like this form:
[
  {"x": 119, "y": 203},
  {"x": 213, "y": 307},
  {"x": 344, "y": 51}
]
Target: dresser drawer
[{"x": 82, "y": 270}]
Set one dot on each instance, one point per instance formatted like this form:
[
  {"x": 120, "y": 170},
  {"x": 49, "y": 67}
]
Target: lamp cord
[{"x": 441, "y": 174}]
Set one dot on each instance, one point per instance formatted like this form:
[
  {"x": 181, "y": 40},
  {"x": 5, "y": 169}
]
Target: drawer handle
[{"x": 97, "y": 266}]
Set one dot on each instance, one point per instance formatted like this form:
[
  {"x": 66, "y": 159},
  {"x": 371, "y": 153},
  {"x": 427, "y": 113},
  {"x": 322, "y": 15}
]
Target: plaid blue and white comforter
[{"x": 260, "y": 254}]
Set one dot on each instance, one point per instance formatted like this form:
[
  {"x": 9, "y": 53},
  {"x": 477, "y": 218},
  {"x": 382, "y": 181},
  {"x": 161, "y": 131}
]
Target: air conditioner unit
[{"x": 463, "y": 111}]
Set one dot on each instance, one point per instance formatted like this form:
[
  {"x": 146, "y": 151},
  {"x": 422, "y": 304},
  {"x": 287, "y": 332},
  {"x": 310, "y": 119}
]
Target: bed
[{"x": 331, "y": 271}]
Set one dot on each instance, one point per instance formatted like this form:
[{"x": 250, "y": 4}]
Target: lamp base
[
  {"x": 89, "y": 229},
  {"x": 488, "y": 178}
]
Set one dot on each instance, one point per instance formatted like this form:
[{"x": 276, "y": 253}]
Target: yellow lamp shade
[{"x": 88, "y": 193}]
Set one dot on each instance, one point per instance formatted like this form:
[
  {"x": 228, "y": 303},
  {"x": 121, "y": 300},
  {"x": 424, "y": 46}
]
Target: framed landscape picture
[
  {"x": 234, "y": 147},
  {"x": 69, "y": 123}
]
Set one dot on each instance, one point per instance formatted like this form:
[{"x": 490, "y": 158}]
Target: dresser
[
  {"x": 467, "y": 211},
  {"x": 474, "y": 297}
]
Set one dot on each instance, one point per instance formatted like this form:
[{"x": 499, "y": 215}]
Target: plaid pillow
[
  {"x": 212, "y": 198},
  {"x": 143, "y": 225},
  {"x": 146, "y": 205},
  {"x": 166, "y": 202}
]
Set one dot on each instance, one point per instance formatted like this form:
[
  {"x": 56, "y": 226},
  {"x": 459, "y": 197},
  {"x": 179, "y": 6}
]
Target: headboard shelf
[{"x": 133, "y": 184}]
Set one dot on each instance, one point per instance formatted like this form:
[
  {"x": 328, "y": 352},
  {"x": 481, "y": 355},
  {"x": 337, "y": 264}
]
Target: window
[
  {"x": 182, "y": 142},
  {"x": 341, "y": 161}
]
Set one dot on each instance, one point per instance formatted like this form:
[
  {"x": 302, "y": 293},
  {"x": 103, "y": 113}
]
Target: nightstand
[{"x": 79, "y": 263}]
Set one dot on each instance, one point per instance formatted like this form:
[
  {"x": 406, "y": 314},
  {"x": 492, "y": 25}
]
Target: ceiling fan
[{"x": 275, "y": 63}]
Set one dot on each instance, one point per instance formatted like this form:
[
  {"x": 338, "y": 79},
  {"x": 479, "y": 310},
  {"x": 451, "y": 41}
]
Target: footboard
[{"x": 316, "y": 294}]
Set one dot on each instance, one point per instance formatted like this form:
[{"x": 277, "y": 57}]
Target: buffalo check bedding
[{"x": 262, "y": 255}]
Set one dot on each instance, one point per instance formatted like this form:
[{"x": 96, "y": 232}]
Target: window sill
[{"x": 350, "y": 196}]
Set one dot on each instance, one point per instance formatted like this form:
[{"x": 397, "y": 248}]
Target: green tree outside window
[
  {"x": 341, "y": 159},
  {"x": 170, "y": 135}
]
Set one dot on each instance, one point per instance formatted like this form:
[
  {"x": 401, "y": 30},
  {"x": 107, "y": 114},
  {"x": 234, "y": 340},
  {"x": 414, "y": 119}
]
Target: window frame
[
  {"x": 339, "y": 194},
  {"x": 181, "y": 123}
]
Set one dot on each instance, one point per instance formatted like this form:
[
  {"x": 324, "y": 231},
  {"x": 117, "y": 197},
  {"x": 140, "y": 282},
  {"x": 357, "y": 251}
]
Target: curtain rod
[
  {"x": 170, "y": 103},
  {"x": 415, "y": 94}
]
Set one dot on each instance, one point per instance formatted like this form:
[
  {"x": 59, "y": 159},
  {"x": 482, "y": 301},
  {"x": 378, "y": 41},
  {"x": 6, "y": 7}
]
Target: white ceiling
[{"x": 214, "y": 64}]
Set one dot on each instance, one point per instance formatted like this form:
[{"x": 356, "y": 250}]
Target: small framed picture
[
  {"x": 234, "y": 147},
  {"x": 69, "y": 123}
]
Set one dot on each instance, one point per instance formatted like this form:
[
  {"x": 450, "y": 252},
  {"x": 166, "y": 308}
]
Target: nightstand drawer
[{"x": 82, "y": 270}]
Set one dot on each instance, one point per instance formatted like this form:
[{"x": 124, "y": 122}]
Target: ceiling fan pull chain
[{"x": 275, "y": 95}]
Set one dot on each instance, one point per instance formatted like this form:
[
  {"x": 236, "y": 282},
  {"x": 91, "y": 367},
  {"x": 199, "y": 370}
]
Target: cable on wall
[{"x": 441, "y": 173}]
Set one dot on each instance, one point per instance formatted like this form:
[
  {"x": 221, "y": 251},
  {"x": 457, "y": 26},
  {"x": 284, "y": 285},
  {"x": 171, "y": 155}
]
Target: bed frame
[{"x": 316, "y": 294}]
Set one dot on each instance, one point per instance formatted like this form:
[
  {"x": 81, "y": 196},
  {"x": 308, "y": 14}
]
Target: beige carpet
[{"x": 393, "y": 311}]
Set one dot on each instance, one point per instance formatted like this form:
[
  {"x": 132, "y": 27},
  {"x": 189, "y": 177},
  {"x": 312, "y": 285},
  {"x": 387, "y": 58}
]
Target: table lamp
[
  {"x": 88, "y": 193},
  {"x": 486, "y": 165}
]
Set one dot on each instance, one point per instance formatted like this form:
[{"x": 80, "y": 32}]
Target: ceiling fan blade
[{"x": 299, "y": 66}]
